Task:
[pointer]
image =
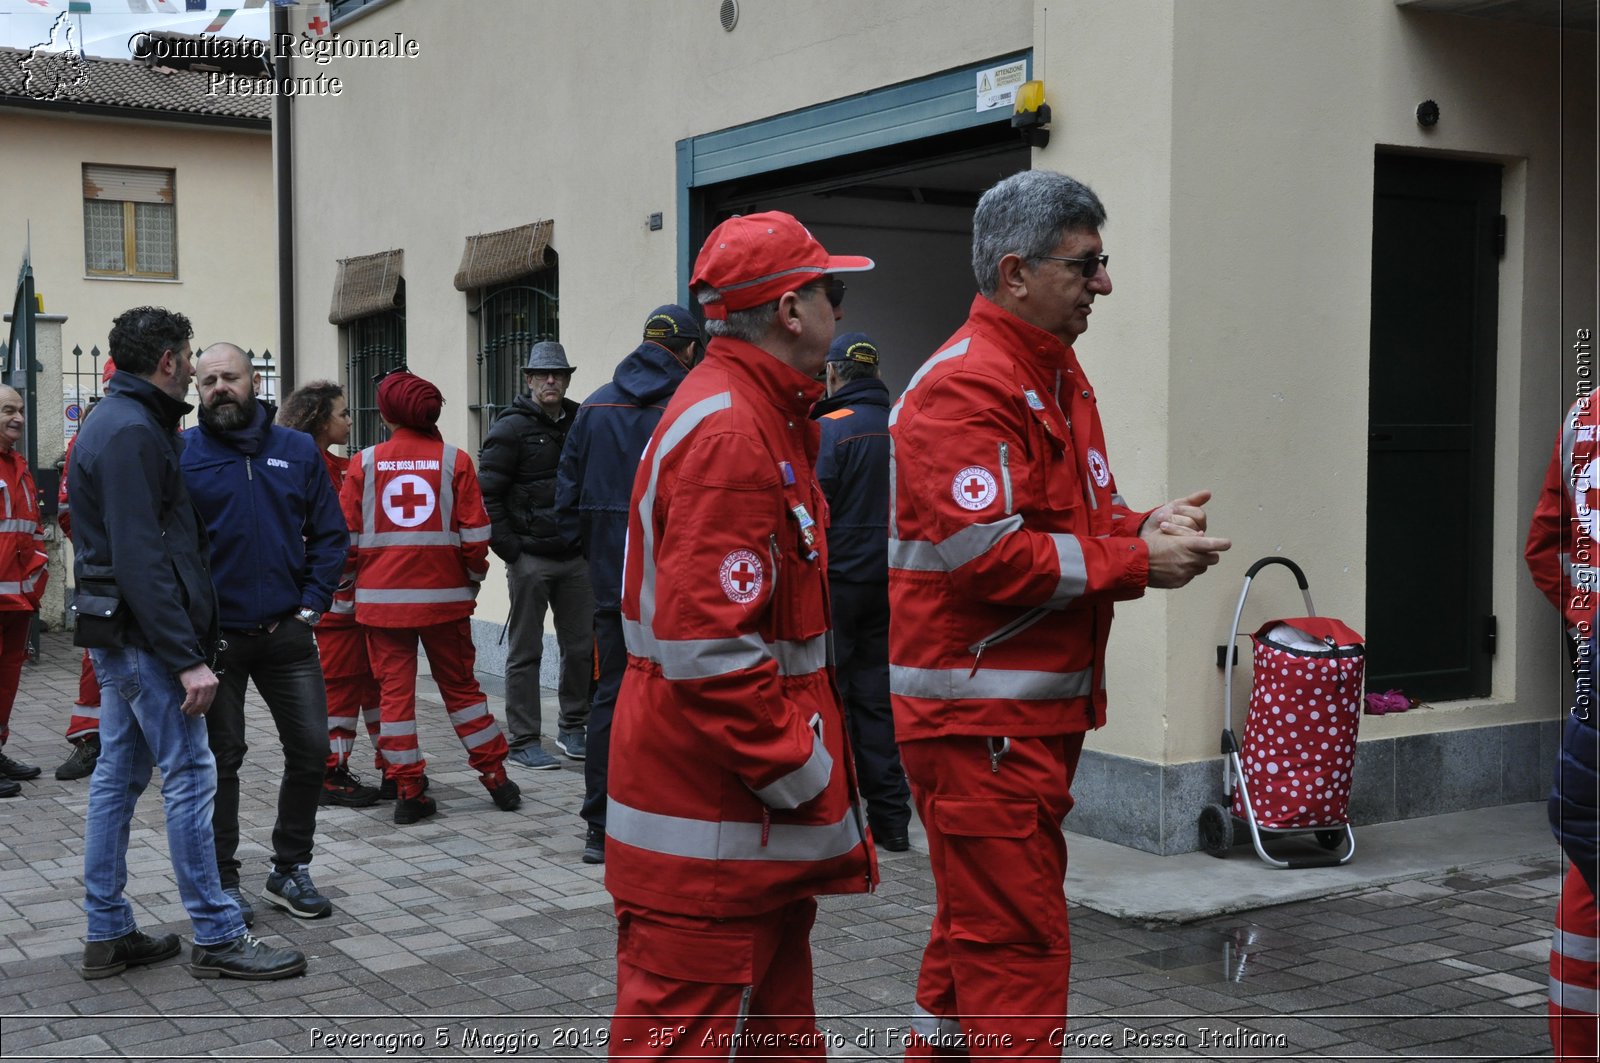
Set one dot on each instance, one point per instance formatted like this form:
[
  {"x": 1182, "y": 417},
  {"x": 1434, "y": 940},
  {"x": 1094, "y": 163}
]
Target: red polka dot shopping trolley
[{"x": 1291, "y": 775}]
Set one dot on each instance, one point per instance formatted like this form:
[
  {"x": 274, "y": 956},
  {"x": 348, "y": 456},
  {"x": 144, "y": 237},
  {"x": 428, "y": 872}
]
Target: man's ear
[
  {"x": 1012, "y": 277},
  {"x": 789, "y": 313},
  {"x": 255, "y": 384}
]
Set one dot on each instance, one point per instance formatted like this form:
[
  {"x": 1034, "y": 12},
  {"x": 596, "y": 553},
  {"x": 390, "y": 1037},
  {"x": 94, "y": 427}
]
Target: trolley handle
[{"x": 1299, "y": 576}]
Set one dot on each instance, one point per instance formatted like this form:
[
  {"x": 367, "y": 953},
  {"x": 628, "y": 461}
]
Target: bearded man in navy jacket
[{"x": 278, "y": 543}]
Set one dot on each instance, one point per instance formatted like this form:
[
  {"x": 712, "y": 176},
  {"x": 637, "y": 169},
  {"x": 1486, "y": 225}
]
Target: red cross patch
[
  {"x": 1098, "y": 467},
  {"x": 741, "y": 576},
  {"x": 973, "y": 487}
]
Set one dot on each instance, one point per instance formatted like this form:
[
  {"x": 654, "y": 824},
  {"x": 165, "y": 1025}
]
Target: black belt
[{"x": 258, "y": 629}]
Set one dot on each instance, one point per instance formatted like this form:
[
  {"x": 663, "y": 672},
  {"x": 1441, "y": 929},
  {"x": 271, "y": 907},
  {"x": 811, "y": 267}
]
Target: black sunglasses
[
  {"x": 831, "y": 287},
  {"x": 389, "y": 372},
  {"x": 1088, "y": 265}
]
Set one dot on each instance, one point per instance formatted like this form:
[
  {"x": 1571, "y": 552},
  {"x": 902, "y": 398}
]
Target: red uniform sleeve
[
  {"x": 350, "y": 503},
  {"x": 730, "y": 599},
  {"x": 1552, "y": 515},
  {"x": 471, "y": 519},
  {"x": 1028, "y": 544}
]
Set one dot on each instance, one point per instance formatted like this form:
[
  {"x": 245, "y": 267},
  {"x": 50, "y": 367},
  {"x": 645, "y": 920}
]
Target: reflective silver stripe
[
  {"x": 1118, "y": 500},
  {"x": 355, "y": 539},
  {"x": 369, "y": 490},
  {"x": 476, "y": 577},
  {"x": 952, "y": 684},
  {"x": 410, "y": 596},
  {"x": 340, "y": 745},
  {"x": 914, "y": 555},
  {"x": 18, "y": 526},
  {"x": 23, "y": 587},
  {"x": 675, "y": 434},
  {"x": 802, "y": 784},
  {"x": 1576, "y": 947},
  {"x": 931, "y": 1027},
  {"x": 471, "y": 712},
  {"x": 407, "y": 538},
  {"x": 86, "y": 712},
  {"x": 372, "y": 716},
  {"x": 447, "y": 486},
  {"x": 955, "y": 350},
  {"x": 1074, "y": 570},
  {"x": 1574, "y": 997},
  {"x": 1581, "y": 576},
  {"x": 397, "y": 729},
  {"x": 974, "y": 541},
  {"x": 704, "y": 839},
  {"x": 708, "y": 658},
  {"x": 402, "y": 756},
  {"x": 481, "y": 738},
  {"x": 476, "y": 535},
  {"x": 341, "y": 606}
]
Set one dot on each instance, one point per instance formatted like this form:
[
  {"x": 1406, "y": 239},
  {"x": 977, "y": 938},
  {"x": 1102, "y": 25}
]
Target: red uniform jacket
[
  {"x": 731, "y": 790},
  {"x": 419, "y": 536},
  {"x": 1563, "y": 549},
  {"x": 1008, "y": 543},
  {"x": 23, "y": 571}
]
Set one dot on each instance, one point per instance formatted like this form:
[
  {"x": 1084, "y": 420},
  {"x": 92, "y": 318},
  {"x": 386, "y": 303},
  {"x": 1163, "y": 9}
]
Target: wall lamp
[{"x": 1032, "y": 115}]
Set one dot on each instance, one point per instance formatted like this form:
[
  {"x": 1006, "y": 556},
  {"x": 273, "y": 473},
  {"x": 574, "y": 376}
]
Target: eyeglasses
[
  {"x": 831, "y": 287},
  {"x": 1088, "y": 265}
]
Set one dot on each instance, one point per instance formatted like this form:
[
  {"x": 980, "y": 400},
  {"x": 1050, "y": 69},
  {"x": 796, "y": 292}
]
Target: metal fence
[{"x": 82, "y": 381}]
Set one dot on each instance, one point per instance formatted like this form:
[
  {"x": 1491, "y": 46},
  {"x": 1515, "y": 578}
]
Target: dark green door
[{"x": 1430, "y": 631}]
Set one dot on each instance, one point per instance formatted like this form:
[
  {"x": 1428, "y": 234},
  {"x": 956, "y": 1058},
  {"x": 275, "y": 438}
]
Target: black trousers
[
  {"x": 861, "y": 661},
  {"x": 288, "y": 674},
  {"x": 613, "y": 662}
]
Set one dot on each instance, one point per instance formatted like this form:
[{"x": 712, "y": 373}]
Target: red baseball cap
[{"x": 754, "y": 258}]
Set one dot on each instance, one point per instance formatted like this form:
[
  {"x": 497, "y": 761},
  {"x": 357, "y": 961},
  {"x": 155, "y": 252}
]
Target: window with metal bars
[
  {"x": 130, "y": 222},
  {"x": 377, "y": 344},
  {"x": 512, "y": 317}
]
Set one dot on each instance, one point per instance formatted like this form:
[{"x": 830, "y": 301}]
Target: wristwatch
[{"x": 308, "y": 617}]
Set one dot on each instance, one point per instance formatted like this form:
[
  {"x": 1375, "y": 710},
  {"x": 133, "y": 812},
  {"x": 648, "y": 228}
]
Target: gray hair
[
  {"x": 749, "y": 325},
  {"x": 1026, "y": 215}
]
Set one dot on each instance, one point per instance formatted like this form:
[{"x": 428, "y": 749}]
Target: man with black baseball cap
[
  {"x": 731, "y": 804},
  {"x": 853, "y": 467},
  {"x": 595, "y": 480}
]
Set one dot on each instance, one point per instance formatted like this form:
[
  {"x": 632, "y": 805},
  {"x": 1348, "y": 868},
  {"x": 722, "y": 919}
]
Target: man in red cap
[
  {"x": 732, "y": 803},
  {"x": 419, "y": 550}
]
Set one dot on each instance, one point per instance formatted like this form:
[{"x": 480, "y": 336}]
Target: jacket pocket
[{"x": 712, "y": 957}]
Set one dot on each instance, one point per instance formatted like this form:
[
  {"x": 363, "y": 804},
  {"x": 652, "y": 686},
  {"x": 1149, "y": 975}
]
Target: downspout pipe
[{"x": 283, "y": 163}]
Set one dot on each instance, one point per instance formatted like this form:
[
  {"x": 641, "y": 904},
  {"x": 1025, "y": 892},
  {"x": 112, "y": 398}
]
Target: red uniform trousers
[
  {"x": 85, "y": 719},
  {"x": 718, "y": 978},
  {"x": 393, "y": 652},
  {"x": 1575, "y": 972},
  {"x": 13, "y": 651},
  {"x": 993, "y": 983},
  {"x": 352, "y": 692}
]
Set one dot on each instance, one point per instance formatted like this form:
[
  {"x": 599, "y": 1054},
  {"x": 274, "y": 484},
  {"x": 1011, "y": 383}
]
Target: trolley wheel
[
  {"x": 1216, "y": 830},
  {"x": 1330, "y": 839}
]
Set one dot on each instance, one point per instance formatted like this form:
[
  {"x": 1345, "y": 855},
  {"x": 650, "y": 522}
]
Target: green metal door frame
[{"x": 895, "y": 114}]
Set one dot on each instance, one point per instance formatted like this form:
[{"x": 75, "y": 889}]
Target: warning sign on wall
[{"x": 997, "y": 86}]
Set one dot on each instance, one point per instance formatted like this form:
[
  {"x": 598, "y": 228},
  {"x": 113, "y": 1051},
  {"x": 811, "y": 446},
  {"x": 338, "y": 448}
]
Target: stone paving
[{"x": 479, "y": 934}]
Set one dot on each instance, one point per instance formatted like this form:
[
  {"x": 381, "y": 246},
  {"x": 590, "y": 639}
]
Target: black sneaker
[
  {"x": 15, "y": 769},
  {"x": 507, "y": 796},
  {"x": 594, "y": 845},
  {"x": 9, "y": 788},
  {"x": 295, "y": 893},
  {"x": 247, "y": 911},
  {"x": 85, "y": 755},
  {"x": 247, "y": 958},
  {"x": 341, "y": 787},
  {"x": 411, "y": 809},
  {"x": 102, "y": 959}
]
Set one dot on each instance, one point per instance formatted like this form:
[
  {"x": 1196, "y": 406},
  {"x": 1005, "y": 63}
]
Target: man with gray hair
[
  {"x": 1008, "y": 545},
  {"x": 517, "y": 473}
]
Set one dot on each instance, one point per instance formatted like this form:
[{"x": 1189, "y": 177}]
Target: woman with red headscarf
[{"x": 419, "y": 550}]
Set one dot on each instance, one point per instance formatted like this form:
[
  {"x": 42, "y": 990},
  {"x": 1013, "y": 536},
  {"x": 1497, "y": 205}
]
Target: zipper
[
  {"x": 247, "y": 473},
  {"x": 1011, "y": 630},
  {"x": 772, "y": 549},
  {"x": 1005, "y": 473}
]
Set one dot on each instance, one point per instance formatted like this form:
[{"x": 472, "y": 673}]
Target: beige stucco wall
[
  {"x": 1233, "y": 143},
  {"x": 227, "y": 284},
  {"x": 568, "y": 110}
]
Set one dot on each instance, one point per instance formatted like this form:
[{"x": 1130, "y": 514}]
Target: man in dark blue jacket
[
  {"x": 853, "y": 468},
  {"x": 593, "y": 486},
  {"x": 278, "y": 542},
  {"x": 148, "y": 615}
]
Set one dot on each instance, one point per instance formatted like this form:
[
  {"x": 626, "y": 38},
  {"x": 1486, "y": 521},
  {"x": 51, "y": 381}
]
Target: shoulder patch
[{"x": 837, "y": 414}]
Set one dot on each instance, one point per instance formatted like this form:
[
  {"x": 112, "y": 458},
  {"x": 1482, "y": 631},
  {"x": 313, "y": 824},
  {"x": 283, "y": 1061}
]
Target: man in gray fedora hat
[{"x": 517, "y": 471}]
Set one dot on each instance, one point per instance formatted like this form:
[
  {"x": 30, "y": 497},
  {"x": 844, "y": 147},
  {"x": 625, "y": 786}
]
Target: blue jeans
[{"x": 140, "y": 726}]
